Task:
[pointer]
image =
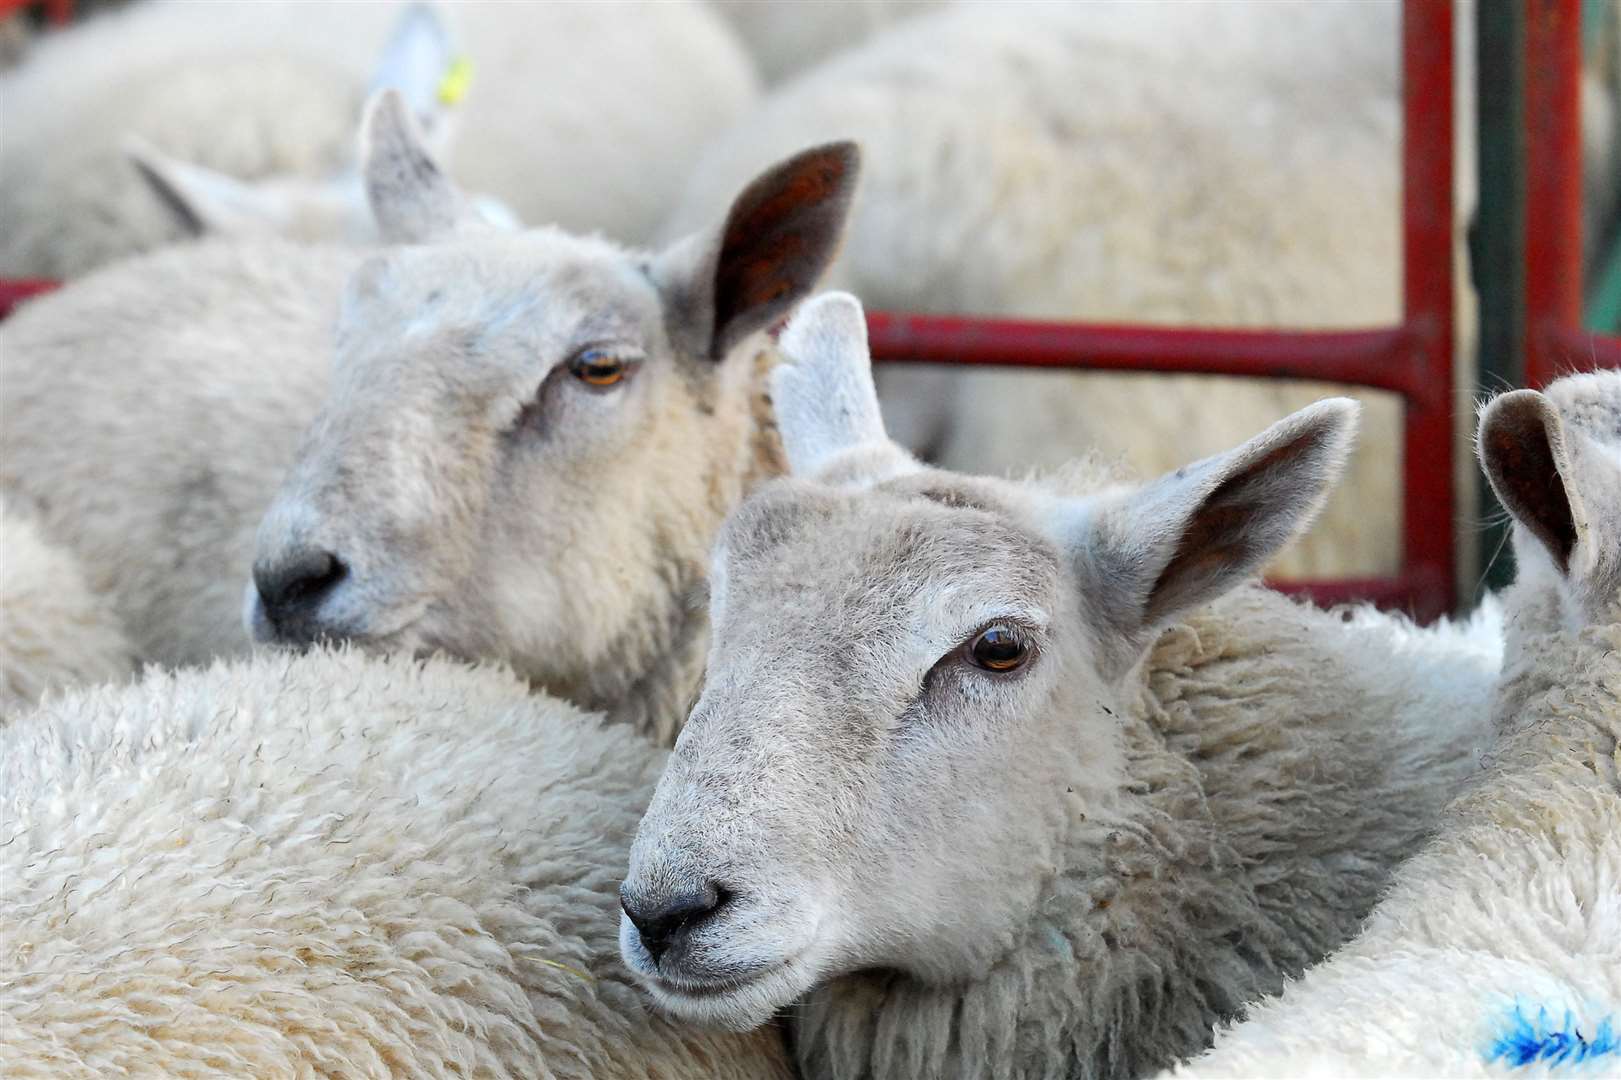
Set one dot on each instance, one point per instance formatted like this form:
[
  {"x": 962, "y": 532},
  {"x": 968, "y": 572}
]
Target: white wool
[
  {"x": 160, "y": 368},
  {"x": 328, "y": 865},
  {"x": 1500, "y": 936},
  {"x": 1499, "y": 944},
  {"x": 592, "y": 116},
  {"x": 54, "y": 632},
  {"x": 788, "y": 36},
  {"x": 584, "y": 115}
]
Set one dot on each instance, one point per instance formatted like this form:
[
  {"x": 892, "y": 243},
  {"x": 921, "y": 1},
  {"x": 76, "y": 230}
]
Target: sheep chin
[{"x": 734, "y": 1007}]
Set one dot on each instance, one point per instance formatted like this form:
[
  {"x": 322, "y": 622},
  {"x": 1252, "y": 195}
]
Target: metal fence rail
[{"x": 1413, "y": 358}]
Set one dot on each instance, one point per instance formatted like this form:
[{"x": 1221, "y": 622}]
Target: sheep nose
[
  {"x": 293, "y": 588},
  {"x": 659, "y": 924}
]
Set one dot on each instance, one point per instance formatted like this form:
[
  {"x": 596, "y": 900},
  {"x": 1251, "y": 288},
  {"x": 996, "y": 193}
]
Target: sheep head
[
  {"x": 531, "y": 437},
  {"x": 895, "y": 649}
]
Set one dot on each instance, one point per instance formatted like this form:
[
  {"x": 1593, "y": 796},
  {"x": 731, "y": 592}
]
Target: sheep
[
  {"x": 53, "y": 631},
  {"x": 585, "y": 116},
  {"x": 526, "y": 444},
  {"x": 1023, "y": 779},
  {"x": 1216, "y": 164},
  {"x": 787, "y": 36},
  {"x": 327, "y": 865},
  {"x": 1499, "y": 944}
]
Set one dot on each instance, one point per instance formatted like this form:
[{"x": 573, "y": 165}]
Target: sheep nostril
[
  {"x": 659, "y": 925},
  {"x": 293, "y": 588}
]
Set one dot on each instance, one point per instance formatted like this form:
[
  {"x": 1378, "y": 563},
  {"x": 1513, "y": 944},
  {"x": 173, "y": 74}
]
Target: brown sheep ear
[
  {"x": 1522, "y": 450},
  {"x": 779, "y": 238},
  {"x": 1192, "y": 535}
]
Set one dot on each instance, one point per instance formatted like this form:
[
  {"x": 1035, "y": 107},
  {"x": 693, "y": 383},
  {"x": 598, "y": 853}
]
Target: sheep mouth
[
  {"x": 732, "y": 1003},
  {"x": 403, "y": 633},
  {"x": 720, "y": 986},
  {"x": 400, "y": 630}
]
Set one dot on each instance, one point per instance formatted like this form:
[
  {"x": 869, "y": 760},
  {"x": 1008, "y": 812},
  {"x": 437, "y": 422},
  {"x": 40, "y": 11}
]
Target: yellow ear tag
[{"x": 453, "y": 87}]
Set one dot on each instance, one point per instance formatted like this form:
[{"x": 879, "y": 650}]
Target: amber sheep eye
[
  {"x": 596, "y": 367},
  {"x": 1000, "y": 649}
]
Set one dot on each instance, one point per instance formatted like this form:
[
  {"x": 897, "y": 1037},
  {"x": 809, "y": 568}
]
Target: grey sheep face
[
  {"x": 916, "y": 681},
  {"x": 466, "y": 474},
  {"x": 530, "y": 437},
  {"x": 1554, "y": 459},
  {"x": 841, "y": 782}
]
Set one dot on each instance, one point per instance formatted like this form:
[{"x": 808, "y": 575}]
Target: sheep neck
[{"x": 1541, "y": 649}]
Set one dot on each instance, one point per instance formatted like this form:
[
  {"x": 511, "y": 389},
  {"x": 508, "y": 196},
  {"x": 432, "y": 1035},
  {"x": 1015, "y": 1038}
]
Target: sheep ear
[
  {"x": 204, "y": 201},
  {"x": 420, "y": 62},
  {"x": 1192, "y": 535},
  {"x": 1553, "y": 480},
  {"x": 779, "y": 238},
  {"x": 411, "y": 198},
  {"x": 1526, "y": 456},
  {"x": 823, "y": 396}
]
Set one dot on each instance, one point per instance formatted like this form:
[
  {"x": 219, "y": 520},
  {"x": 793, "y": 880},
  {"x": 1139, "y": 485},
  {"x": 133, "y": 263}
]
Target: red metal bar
[
  {"x": 1571, "y": 348},
  {"x": 1429, "y": 526},
  {"x": 1378, "y": 358},
  {"x": 1400, "y": 593},
  {"x": 59, "y": 12},
  {"x": 14, "y": 291},
  {"x": 1553, "y": 184}
]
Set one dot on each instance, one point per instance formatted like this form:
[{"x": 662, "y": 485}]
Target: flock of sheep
[{"x": 435, "y": 646}]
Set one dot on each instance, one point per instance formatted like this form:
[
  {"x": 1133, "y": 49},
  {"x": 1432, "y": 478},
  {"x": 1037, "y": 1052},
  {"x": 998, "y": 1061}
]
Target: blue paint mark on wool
[{"x": 1528, "y": 1042}]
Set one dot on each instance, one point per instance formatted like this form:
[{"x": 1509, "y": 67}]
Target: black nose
[
  {"x": 660, "y": 924},
  {"x": 292, "y": 589}
]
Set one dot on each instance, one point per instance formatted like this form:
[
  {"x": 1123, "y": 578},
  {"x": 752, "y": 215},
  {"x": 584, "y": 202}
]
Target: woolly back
[{"x": 328, "y": 865}]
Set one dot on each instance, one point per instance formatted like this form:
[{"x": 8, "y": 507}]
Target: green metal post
[
  {"x": 1602, "y": 311},
  {"x": 1497, "y": 235}
]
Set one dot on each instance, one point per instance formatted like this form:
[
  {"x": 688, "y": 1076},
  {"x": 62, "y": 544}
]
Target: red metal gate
[{"x": 1413, "y": 359}]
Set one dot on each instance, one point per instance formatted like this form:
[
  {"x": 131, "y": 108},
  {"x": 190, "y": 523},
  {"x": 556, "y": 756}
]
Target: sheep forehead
[
  {"x": 459, "y": 319},
  {"x": 1592, "y": 403},
  {"x": 531, "y": 280},
  {"x": 915, "y": 554}
]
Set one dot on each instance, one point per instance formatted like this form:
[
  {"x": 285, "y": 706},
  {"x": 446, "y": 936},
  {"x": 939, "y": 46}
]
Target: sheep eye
[
  {"x": 999, "y": 649},
  {"x": 599, "y": 368}
]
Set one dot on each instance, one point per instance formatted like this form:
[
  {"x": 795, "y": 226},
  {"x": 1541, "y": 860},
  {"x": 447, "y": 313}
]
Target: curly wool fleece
[
  {"x": 1499, "y": 945},
  {"x": 327, "y": 865}
]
